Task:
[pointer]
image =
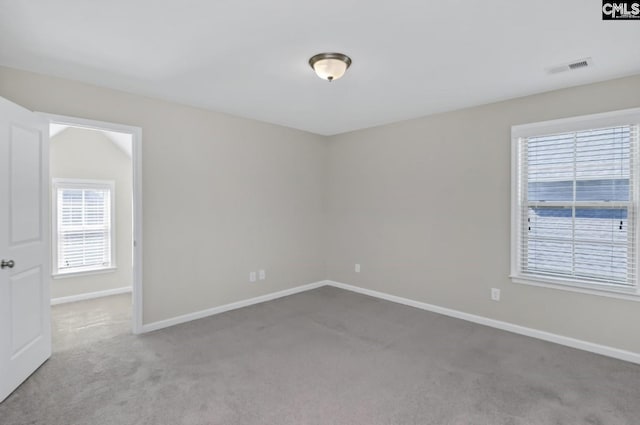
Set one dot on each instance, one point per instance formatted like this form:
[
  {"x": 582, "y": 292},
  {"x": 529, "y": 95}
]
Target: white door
[{"x": 25, "y": 320}]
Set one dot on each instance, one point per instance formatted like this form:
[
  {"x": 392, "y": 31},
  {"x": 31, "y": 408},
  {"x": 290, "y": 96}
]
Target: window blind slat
[
  {"x": 84, "y": 227},
  {"x": 588, "y": 233}
]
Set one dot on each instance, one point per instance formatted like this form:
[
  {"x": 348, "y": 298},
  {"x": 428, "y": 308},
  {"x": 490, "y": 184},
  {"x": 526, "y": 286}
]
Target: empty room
[{"x": 342, "y": 212}]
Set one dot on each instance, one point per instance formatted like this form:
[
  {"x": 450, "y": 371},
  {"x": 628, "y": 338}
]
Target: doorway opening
[{"x": 96, "y": 230}]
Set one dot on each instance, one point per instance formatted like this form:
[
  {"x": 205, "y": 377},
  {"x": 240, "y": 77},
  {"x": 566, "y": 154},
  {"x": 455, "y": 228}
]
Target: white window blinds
[
  {"x": 84, "y": 226},
  {"x": 577, "y": 205}
]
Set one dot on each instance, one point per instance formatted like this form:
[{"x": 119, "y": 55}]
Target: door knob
[{"x": 7, "y": 264}]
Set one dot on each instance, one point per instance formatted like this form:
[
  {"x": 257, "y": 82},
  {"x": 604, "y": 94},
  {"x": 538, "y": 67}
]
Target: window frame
[
  {"x": 70, "y": 183},
  {"x": 565, "y": 125}
]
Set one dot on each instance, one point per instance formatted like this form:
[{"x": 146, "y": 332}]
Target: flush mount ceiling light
[{"x": 330, "y": 66}]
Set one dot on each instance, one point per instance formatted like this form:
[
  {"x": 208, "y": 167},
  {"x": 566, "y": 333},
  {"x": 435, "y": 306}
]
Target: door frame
[{"x": 136, "y": 160}]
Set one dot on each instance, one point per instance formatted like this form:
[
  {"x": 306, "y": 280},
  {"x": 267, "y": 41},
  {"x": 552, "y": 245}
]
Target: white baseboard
[
  {"x": 510, "y": 327},
  {"x": 232, "y": 306},
  {"x": 498, "y": 324},
  {"x": 90, "y": 295}
]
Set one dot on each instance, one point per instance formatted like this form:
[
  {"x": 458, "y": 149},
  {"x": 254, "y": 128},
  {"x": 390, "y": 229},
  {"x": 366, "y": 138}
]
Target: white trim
[
  {"x": 583, "y": 288},
  {"x": 571, "y": 124},
  {"x": 232, "y": 306},
  {"x": 136, "y": 141},
  {"x": 136, "y": 159},
  {"x": 515, "y": 205},
  {"x": 84, "y": 272},
  {"x": 498, "y": 324},
  {"x": 90, "y": 295}
]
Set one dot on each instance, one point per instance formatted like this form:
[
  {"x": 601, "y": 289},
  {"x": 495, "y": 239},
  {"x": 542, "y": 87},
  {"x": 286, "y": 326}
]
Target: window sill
[
  {"x": 84, "y": 273},
  {"x": 630, "y": 294}
]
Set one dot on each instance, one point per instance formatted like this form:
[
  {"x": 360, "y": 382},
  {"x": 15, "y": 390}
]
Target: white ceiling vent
[{"x": 571, "y": 66}]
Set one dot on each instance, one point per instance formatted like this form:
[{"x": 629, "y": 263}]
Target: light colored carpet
[
  {"x": 323, "y": 357},
  {"x": 87, "y": 322}
]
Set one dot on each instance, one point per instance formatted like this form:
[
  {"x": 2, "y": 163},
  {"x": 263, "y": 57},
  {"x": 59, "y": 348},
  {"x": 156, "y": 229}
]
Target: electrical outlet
[
  {"x": 495, "y": 294},
  {"x": 357, "y": 268},
  {"x": 262, "y": 275},
  {"x": 252, "y": 276}
]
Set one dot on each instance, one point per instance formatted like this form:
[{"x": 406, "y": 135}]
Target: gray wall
[
  {"x": 424, "y": 207},
  {"x": 87, "y": 154},
  {"x": 222, "y": 195}
]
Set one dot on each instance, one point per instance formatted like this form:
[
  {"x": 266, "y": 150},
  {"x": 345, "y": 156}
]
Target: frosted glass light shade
[
  {"x": 330, "y": 69},
  {"x": 330, "y": 66}
]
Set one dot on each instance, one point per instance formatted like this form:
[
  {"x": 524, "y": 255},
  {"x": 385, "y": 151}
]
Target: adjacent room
[
  {"x": 331, "y": 213},
  {"x": 91, "y": 173}
]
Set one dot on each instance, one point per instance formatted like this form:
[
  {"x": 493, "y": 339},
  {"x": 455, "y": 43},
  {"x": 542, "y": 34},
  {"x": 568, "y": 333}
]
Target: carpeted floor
[
  {"x": 321, "y": 357},
  {"x": 88, "y": 322}
]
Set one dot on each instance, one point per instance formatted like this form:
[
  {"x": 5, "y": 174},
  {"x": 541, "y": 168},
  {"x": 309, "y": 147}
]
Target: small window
[
  {"x": 575, "y": 202},
  {"x": 83, "y": 226}
]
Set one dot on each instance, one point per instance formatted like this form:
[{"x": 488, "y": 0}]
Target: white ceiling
[
  {"x": 122, "y": 141},
  {"x": 249, "y": 58}
]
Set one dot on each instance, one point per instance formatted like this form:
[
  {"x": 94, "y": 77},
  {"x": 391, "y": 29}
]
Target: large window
[
  {"x": 575, "y": 202},
  {"x": 83, "y": 226}
]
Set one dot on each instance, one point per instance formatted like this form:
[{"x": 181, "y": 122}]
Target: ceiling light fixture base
[{"x": 330, "y": 66}]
